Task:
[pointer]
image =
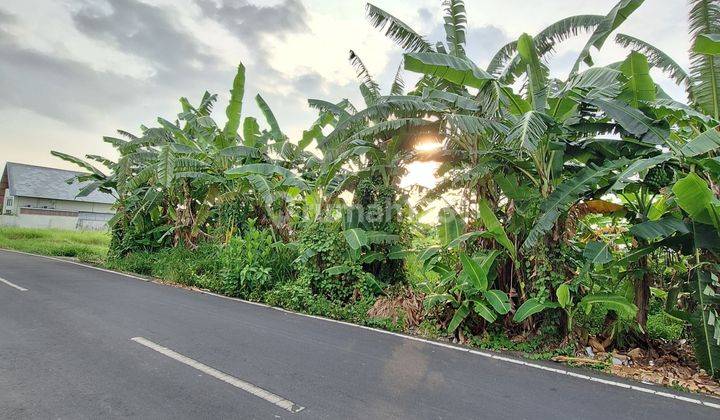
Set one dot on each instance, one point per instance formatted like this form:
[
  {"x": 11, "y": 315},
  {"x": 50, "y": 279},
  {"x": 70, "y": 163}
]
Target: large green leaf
[
  {"x": 166, "y": 167},
  {"x": 640, "y": 86},
  {"x": 639, "y": 165},
  {"x": 460, "y": 71},
  {"x": 455, "y": 23},
  {"x": 267, "y": 169},
  {"x": 599, "y": 78},
  {"x": 705, "y": 68},
  {"x": 356, "y": 238},
  {"x": 566, "y": 194},
  {"x": 397, "y": 30},
  {"x": 706, "y": 141},
  {"x": 475, "y": 272},
  {"x": 79, "y": 162},
  {"x": 563, "y": 295},
  {"x": 372, "y": 89},
  {"x": 693, "y": 195},
  {"x": 622, "y": 10},
  {"x": 531, "y": 307},
  {"x": 436, "y": 299},
  {"x": 708, "y": 44},
  {"x": 251, "y": 132},
  {"x": 617, "y": 303},
  {"x": 451, "y": 225},
  {"x": 485, "y": 312},
  {"x": 455, "y": 243},
  {"x": 536, "y": 70},
  {"x": 528, "y": 131},
  {"x": 499, "y": 300},
  {"x": 545, "y": 41},
  {"x": 141, "y": 178},
  {"x": 275, "y": 131},
  {"x": 704, "y": 322},
  {"x": 656, "y": 58},
  {"x": 632, "y": 119},
  {"x": 659, "y": 229},
  {"x": 234, "y": 108},
  {"x": 597, "y": 252},
  {"x": 460, "y": 314},
  {"x": 495, "y": 228},
  {"x": 263, "y": 187},
  {"x": 239, "y": 152}
]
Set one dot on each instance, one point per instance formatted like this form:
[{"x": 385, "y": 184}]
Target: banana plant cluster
[
  {"x": 529, "y": 156},
  {"x": 171, "y": 178},
  {"x": 602, "y": 132}
]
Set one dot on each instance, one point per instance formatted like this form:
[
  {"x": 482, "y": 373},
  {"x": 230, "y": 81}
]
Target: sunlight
[
  {"x": 421, "y": 173},
  {"x": 428, "y": 144}
]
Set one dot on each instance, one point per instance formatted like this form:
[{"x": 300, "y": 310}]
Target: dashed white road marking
[
  {"x": 422, "y": 340},
  {"x": 22, "y": 289},
  {"x": 239, "y": 383}
]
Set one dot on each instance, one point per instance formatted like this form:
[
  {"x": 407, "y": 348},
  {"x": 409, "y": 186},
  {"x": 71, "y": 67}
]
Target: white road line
[
  {"x": 22, "y": 289},
  {"x": 422, "y": 340},
  {"x": 239, "y": 383}
]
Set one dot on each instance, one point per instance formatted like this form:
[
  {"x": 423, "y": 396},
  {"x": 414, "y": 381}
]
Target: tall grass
[{"x": 87, "y": 246}]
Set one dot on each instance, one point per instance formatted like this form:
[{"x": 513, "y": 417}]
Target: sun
[{"x": 422, "y": 172}]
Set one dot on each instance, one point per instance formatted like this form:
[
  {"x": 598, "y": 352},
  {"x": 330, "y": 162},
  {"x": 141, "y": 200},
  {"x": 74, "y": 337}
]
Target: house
[{"x": 40, "y": 197}]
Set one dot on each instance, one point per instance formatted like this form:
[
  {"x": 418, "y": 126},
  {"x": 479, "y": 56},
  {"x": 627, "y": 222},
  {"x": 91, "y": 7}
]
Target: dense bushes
[
  {"x": 326, "y": 266},
  {"x": 255, "y": 263}
]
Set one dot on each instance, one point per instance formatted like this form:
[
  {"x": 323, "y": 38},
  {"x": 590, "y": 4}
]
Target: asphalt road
[{"x": 67, "y": 351}]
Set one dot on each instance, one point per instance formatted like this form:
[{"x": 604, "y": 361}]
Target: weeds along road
[{"x": 77, "y": 342}]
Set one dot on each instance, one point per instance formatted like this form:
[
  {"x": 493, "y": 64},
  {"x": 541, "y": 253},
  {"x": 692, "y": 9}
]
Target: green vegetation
[
  {"x": 586, "y": 208},
  {"x": 86, "y": 246}
]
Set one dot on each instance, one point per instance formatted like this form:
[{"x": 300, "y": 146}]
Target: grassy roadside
[{"x": 87, "y": 246}]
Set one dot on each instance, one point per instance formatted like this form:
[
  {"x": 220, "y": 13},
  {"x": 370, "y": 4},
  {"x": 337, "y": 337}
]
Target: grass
[{"x": 88, "y": 246}]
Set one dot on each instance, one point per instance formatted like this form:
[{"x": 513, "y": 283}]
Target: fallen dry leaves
[{"x": 668, "y": 364}]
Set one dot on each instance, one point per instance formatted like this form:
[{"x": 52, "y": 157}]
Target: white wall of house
[
  {"x": 62, "y": 205},
  {"x": 57, "y": 214}
]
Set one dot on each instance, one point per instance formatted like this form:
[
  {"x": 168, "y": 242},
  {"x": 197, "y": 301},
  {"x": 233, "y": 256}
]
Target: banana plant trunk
[{"x": 642, "y": 293}]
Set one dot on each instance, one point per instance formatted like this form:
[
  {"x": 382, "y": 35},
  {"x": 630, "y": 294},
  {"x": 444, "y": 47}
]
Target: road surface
[{"x": 76, "y": 342}]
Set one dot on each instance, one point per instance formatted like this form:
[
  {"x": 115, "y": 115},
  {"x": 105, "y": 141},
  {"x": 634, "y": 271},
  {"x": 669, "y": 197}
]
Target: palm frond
[
  {"x": 398, "y": 85},
  {"x": 455, "y": 23},
  {"x": 505, "y": 61},
  {"x": 206, "y": 104},
  {"x": 363, "y": 74},
  {"x": 397, "y": 30},
  {"x": 705, "y": 68},
  {"x": 657, "y": 58},
  {"x": 127, "y": 134},
  {"x": 617, "y": 15}
]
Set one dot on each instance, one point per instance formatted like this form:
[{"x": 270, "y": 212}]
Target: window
[{"x": 9, "y": 204}]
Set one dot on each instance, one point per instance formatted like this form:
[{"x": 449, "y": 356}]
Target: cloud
[
  {"x": 57, "y": 87},
  {"x": 151, "y": 32},
  {"x": 6, "y": 17},
  {"x": 250, "y": 21}
]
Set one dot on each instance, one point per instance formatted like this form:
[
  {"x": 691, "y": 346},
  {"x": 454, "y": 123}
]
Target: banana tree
[{"x": 702, "y": 80}]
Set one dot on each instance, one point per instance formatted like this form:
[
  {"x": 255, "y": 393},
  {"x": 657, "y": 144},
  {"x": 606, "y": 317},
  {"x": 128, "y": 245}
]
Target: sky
[{"x": 72, "y": 71}]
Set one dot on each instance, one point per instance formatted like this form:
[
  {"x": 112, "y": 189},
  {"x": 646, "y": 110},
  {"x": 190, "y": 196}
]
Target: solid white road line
[
  {"x": 245, "y": 386},
  {"x": 22, "y": 289},
  {"x": 422, "y": 340}
]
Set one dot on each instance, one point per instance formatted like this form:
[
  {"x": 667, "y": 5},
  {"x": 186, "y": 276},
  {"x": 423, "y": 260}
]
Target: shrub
[
  {"x": 186, "y": 266},
  {"x": 664, "y": 326},
  {"x": 136, "y": 262},
  {"x": 254, "y": 263},
  {"x": 326, "y": 267}
]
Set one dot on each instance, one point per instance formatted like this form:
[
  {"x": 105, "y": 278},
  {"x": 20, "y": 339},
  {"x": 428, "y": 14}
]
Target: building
[{"x": 39, "y": 197}]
